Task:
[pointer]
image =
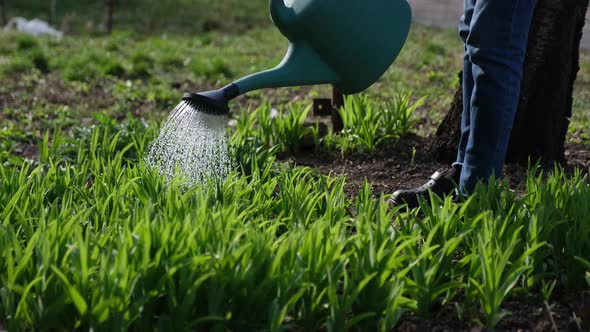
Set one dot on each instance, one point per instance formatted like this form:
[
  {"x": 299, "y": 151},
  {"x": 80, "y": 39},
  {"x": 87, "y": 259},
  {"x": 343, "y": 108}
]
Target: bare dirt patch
[{"x": 409, "y": 163}]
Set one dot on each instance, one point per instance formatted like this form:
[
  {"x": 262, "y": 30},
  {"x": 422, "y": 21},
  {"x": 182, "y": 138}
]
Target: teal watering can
[{"x": 346, "y": 43}]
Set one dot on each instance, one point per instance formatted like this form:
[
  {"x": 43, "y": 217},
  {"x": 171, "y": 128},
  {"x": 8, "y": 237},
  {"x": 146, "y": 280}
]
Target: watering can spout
[
  {"x": 347, "y": 43},
  {"x": 301, "y": 66}
]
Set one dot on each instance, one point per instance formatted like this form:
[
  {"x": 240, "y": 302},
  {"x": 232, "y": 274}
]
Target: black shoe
[{"x": 440, "y": 183}]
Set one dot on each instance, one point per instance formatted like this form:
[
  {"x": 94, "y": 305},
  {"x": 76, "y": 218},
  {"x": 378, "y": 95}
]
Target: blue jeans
[{"x": 495, "y": 34}]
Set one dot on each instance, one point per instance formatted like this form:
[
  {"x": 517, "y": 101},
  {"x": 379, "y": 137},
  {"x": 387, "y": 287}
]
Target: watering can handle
[{"x": 280, "y": 13}]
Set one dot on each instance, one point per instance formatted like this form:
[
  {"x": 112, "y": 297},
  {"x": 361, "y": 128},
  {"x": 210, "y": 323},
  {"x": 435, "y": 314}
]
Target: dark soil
[
  {"x": 566, "y": 311},
  {"x": 393, "y": 167},
  {"x": 396, "y": 166},
  {"x": 19, "y": 93}
]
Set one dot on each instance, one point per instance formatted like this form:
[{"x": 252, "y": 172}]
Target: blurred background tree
[
  {"x": 143, "y": 16},
  {"x": 3, "y": 19},
  {"x": 51, "y": 15},
  {"x": 109, "y": 4}
]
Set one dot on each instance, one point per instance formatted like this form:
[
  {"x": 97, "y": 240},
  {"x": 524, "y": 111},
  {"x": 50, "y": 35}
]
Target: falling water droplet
[{"x": 193, "y": 144}]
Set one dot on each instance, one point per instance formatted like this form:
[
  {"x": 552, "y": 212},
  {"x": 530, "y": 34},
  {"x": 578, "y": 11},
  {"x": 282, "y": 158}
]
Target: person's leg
[
  {"x": 496, "y": 47},
  {"x": 445, "y": 182},
  {"x": 464, "y": 29}
]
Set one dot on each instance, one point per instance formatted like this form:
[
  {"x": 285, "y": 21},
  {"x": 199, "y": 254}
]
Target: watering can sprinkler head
[{"x": 214, "y": 102}]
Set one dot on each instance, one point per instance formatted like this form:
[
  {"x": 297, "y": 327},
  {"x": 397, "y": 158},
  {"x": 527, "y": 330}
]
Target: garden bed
[{"x": 295, "y": 240}]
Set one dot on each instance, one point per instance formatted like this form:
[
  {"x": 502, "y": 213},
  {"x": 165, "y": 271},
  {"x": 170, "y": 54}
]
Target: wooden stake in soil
[
  {"x": 545, "y": 106},
  {"x": 337, "y": 103}
]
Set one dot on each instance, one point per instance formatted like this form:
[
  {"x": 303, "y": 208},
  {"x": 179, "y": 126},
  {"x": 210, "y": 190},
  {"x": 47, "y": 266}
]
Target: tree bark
[
  {"x": 546, "y": 98},
  {"x": 110, "y": 4},
  {"x": 448, "y": 134},
  {"x": 51, "y": 12}
]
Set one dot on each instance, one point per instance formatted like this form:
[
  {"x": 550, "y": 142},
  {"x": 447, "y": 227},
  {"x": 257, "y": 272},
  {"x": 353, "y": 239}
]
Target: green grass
[
  {"x": 368, "y": 125},
  {"x": 160, "y": 68},
  {"x": 91, "y": 239},
  {"x": 146, "y": 74},
  {"x": 147, "y": 16}
]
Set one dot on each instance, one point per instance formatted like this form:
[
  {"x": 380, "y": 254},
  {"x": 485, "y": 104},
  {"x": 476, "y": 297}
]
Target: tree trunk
[
  {"x": 3, "y": 19},
  {"x": 448, "y": 134},
  {"x": 110, "y": 4},
  {"x": 546, "y": 98},
  {"x": 51, "y": 13}
]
